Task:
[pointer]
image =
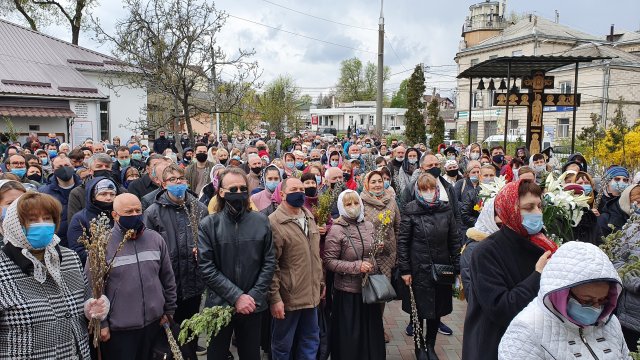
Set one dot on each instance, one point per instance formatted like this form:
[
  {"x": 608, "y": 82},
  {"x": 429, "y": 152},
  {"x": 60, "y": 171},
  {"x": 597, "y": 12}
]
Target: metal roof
[
  {"x": 35, "y": 112},
  {"x": 521, "y": 65},
  {"x": 29, "y": 56}
]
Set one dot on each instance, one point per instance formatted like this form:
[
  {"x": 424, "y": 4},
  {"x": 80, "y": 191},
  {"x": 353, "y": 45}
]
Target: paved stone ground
[{"x": 401, "y": 345}]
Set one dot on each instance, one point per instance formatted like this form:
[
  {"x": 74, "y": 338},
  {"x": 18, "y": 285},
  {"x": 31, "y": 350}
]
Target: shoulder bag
[
  {"x": 441, "y": 274},
  {"x": 376, "y": 288}
]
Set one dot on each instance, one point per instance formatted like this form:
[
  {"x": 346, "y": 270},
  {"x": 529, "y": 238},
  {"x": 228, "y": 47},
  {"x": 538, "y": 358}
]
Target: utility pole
[
  {"x": 380, "y": 71},
  {"x": 214, "y": 108}
]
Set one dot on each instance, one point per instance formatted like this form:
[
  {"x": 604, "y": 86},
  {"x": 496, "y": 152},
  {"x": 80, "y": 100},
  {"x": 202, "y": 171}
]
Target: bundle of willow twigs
[{"x": 95, "y": 242}]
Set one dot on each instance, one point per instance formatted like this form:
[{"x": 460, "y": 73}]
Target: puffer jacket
[
  {"x": 428, "y": 235},
  {"x": 340, "y": 256},
  {"x": 543, "y": 330},
  {"x": 298, "y": 276},
  {"x": 172, "y": 221},
  {"x": 629, "y": 303},
  {"x": 236, "y": 257}
]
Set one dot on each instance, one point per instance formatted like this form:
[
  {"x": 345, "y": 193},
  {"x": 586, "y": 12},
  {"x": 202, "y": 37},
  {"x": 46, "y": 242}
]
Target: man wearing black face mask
[
  {"x": 296, "y": 239},
  {"x": 236, "y": 274},
  {"x": 198, "y": 174},
  {"x": 255, "y": 172},
  {"x": 161, "y": 143},
  {"x": 497, "y": 158},
  {"x": 60, "y": 185}
]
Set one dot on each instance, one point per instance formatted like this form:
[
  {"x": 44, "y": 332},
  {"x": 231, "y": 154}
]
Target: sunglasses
[{"x": 236, "y": 189}]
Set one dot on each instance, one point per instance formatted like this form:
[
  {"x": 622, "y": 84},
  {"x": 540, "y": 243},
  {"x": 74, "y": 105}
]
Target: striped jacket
[
  {"x": 141, "y": 285},
  {"x": 41, "y": 321}
]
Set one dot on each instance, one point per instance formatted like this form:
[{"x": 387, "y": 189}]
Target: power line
[
  {"x": 300, "y": 35},
  {"x": 394, "y": 51},
  {"x": 320, "y": 18}
]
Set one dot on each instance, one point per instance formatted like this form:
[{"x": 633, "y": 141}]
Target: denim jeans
[{"x": 299, "y": 327}]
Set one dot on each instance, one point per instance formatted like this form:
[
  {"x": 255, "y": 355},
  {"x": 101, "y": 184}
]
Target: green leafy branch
[{"x": 208, "y": 322}]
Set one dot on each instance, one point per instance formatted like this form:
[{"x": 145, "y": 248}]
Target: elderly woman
[
  {"x": 451, "y": 172},
  {"x": 470, "y": 180},
  {"x": 356, "y": 327},
  {"x": 572, "y": 316},
  {"x": 378, "y": 200},
  {"x": 42, "y": 287},
  {"x": 428, "y": 235}
]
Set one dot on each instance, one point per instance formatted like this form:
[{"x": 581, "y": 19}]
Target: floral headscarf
[
  {"x": 14, "y": 233},
  {"x": 507, "y": 206}
]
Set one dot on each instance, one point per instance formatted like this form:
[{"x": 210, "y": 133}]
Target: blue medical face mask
[
  {"x": 53, "y": 153},
  {"x": 585, "y": 315},
  {"x": 40, "y": 235},
  {"x": 387, "y": 183},
  {"x": 145, "y": 153},
  {"x": 45, "y": 161},
  {"x": 19, "y": 172},
  {"x": 587, "y": 189},
  {"x": 618, "y": 186},
  {"x": 334, "y": 163},
  {"x": 474, "y": 179},
  {"x": 271, "y": 185},
  {"x": 532, "y": 223},
  {"x": 177, "y": 190},
  {"x": 634, "y": 207},
  {"x": 290, "y": 164},
  {"x": 124, "y": 163},
  {"x": 299, "y": 165},
  {"x": 318, "y": 179}
]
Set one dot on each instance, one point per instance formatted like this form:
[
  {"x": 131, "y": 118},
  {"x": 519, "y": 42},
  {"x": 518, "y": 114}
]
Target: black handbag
[
  {"x": 376, "y": 288},
  {"x": 441, "y": 274}
]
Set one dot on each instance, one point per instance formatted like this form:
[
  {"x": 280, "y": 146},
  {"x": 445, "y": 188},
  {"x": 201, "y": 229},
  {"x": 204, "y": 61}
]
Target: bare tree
[
  {"x": 43, "y": 12},
  {"x": 172, "y": 47}
]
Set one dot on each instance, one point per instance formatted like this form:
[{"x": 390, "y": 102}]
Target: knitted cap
[
  {"x": 616, "y": 170},
  {"x": 134, "y": 148}
]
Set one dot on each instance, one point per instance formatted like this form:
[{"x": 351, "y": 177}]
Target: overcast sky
[{"x": 417, "y": 31}]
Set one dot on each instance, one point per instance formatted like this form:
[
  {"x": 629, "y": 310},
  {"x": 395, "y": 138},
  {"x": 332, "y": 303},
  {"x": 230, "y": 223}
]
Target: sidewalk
[{"x": 401, "y": 345}]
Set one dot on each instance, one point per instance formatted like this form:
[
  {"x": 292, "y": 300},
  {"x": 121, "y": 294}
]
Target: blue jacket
[
  {"x": 82, "y": 220},
  {"x": 53, "y": 189}
]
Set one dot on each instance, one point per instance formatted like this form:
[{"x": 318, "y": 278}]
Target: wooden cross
[{"x": 535, "y": 101}]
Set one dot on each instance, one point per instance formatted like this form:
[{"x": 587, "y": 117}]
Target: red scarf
[{"x": 507, "y": 207}]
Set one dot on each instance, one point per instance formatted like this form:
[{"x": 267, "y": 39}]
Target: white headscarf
[
  {"x": 486, "y": 222},
  {"x": 343, "y": 211},
  {"x": 14, "y": 233}
]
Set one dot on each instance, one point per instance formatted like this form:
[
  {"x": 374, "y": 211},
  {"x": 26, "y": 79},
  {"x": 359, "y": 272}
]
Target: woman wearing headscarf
[
  {"x": 572, "y": 316},
  {"x": 428, "y": 235},
  {"x": 377, "y": 200},
  {"x": 271, "y": 177},
  {"x": 402, "y": 178},
  {"x": 505, "y": 269},
  {"x": 10, "y": 190},
  {"x": 210, "y": 190},
  {"x": 43, "y": 293},
  {"x": 356, "y": 328},
  {"x": 619, "y": 210},
  {"x": 488, "y": 223},
  {"x": 334, "y": 160}
]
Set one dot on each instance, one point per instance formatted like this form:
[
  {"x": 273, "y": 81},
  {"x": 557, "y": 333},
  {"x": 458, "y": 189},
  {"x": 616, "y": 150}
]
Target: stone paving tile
[{"x": 401, "y": 346}]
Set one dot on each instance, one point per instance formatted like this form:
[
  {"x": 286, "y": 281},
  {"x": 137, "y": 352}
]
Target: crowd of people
[{"x": 235, "y": 221}]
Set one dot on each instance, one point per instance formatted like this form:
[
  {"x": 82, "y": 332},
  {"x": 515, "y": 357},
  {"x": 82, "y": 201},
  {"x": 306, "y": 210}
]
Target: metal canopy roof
[{"x": 521, "y": 65}]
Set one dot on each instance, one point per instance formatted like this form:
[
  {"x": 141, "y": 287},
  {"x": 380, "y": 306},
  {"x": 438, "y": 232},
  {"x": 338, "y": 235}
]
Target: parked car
[
  {"x": 397, "y": 130},
  {"x": 328, "y": 134}
]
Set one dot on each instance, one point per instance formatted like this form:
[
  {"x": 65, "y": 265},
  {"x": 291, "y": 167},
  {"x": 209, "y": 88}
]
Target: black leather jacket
[{"x": 236, "y": 257}]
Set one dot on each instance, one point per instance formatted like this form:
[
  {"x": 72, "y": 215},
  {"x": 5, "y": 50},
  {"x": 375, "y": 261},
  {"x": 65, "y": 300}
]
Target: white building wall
[{"x": 126, "y": 107}]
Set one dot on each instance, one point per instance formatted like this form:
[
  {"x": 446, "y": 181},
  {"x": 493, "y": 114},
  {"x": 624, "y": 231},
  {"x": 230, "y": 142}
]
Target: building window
[
  {"x": 104, "y": 120},
  {"x": 361, "y": 120},
  {"x": 474, "y": 61},
  {"x": 563, "y": 128},
  {"x": 350, "y": 119},
  {"x": 477, "y": 99},
  {"x": 492, "y": 95},
  {"x": 565, "y": 87},
  {"x": 474, "y": 131},
  {"x": 370, "y": 119},
  {"x": 490, "y": 128},
  {"x": 331, "y": 122},
  {"x": 513, "y": 127},
  {"x": 516, "y": 53}
]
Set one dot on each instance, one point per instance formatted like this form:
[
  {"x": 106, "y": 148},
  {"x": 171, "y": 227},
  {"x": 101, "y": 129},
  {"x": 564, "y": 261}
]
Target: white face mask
[
  {"x": 353, "y": 212},
  {"x": 428, "y": 196},
  {"x": 475, "y": 156}
]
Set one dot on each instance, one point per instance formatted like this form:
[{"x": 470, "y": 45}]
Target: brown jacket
[
  {"x": 373, "y": 207},
  {"x": 340, "y": 257},
  {"x": 298, "y": 277}
]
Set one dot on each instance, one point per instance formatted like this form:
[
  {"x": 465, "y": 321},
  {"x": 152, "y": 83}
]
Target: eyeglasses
[
  {"x": 174, "y": 179},
  {"x": 592, "y": 303},
  {"x": 236, "y": 189}
]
